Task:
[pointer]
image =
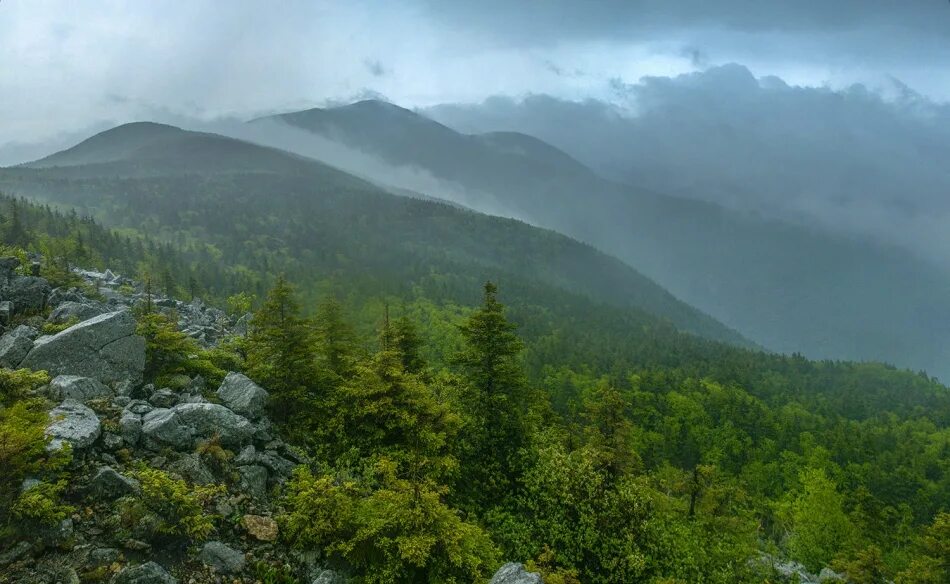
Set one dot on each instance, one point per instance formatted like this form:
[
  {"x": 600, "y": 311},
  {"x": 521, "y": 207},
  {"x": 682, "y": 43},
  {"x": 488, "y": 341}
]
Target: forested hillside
[
  {"x": 593, "y": 441},
  {"x": 785, "y": 286}
]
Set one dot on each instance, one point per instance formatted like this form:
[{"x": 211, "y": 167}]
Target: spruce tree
[
  {"x": 335, "y": 341},
  {"x": 279, "y": 350},
  {"x": 495, "y": 401}
]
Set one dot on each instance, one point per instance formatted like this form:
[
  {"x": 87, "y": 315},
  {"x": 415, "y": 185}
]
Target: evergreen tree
[
  {"x": 279, "y": 350},
  {"x": 335, "y": 340},
  {"x": 495, "y": 401}
]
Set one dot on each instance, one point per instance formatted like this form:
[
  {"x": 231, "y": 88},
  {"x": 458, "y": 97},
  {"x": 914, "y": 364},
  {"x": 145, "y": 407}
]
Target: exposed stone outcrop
[
  {"x": 28, "y": 294},
  {"x": 513, "y": 573},
  {"x": 104, "y": 348},
  {"x": 15, "y": 345},
  {"x": 243, "y": 396}
]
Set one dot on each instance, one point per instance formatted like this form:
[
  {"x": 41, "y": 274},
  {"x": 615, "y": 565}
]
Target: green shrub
[
  {"x": 17, "y": 384},
  {"x": 174, "y": 507},
  {"x": 52, "y": 328},
  {"x": 40, "y": 505}
]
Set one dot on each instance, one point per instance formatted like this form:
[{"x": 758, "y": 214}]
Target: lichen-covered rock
[
  {"x": 109, "y": 484},
  {"x": 15, "y": 345},
  {"x": 147, "y": 573},
  {"x": 72, "y": 422},
  {"x": 243, "y": 396},
  {"x": 28, "y": 294},
  {"x": 513, "y": 573},
  {"x": 254, "y": 480},
  {"x": 163, "y": 398},
  {"x": 260, "y": 527},
  {"x": 209, "y": 420},
  {"x": 104, "y": 348},
  {"x": 191, "y": 467},
  {"x": 130, "y": 425},
  {"x": 81, "y": 389},
  {"x": 222, "y": 558},
  {"x": 71, "y": 310},
  {"x": 162, "y": 427}
]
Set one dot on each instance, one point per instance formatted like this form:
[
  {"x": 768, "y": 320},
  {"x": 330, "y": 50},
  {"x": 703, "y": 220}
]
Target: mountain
[
  {"x": 789, "y": 287},
  {"x": 273, "y": 210}
]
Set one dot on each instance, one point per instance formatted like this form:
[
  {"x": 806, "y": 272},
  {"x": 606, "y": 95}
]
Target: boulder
[
  {"x": 191, "y": 467},
  {"x": 104, "y": 348},
  {"x": 8, "y": 266},
  {"x": 72, "y": 422},
  {"x": 130, "y": 425},
  {"x": 60, "y": 295},
  {"x": 162, "y": 427},
  {"x": 81, "y": 389},
  {"x": 328, "y": 577},
  {"x": 28, "y": 294},
  {"x": 513, "y": 573},
  {"x": 254, "y": 480},
  {"x": 163, "y": 398},
  {"x": 208, "y": 420},
  {"x": 71, "y": 310},
  {"x": 221, "y": 557},
  {"x": 148, "y": 573},
  {"x": 6, "y": 312},
  {"x": 109, "y": 484},
  {"x": 15, "y": 345},
  {"x": 243, "y": 396},
  {"x": 260, "y": 528}
]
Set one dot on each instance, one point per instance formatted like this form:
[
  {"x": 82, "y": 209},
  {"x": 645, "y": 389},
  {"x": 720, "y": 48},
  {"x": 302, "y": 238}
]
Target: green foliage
[
  {"x": 931, "y": 564},
  {"x": 819, "y": 528},
  {"x": 17, "y": 384},
  {"x": 240, "y": 304},
  {"x": 278, "y": 350},
  {"x": 40, "y": 506},
  {"x": 176, "y": 508},
  {"x": 170, "y": 352},
  {"x": 387, "y": 530},
  {"x": 51, "y": 328}
]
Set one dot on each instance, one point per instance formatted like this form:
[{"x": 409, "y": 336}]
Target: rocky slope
[{"x": 217, "y": 439}]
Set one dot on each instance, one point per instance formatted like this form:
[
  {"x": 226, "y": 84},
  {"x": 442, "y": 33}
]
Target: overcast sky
[{"x": 72, "y": 66}]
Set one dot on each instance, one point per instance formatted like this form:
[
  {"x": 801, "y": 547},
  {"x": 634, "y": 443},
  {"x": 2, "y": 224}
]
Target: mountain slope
[
  {"x": 272, "y": 209},
  {"x": 790, "y": 288}
]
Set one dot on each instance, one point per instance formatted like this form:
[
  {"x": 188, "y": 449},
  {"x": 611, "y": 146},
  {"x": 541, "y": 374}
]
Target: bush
[
  {"x": 40, "y": 506},
  {"x": 393, "y": 530},
  {"x": 15, "y": 385},
  {"x": 170, "y": 352},
  {"x": 171, "y": 505}
]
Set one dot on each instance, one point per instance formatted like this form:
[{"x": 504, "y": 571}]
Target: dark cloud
[
  {"x": 853, "y": 161},
  {"x": 560, "y": 19}
]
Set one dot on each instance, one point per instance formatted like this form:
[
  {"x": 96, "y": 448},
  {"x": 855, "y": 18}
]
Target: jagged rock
[
  {"x": 111, "y": 442},
  {"x": 15, "y": 345},
  {"x": 72, "y": 422},
  {"x": 8, "y": 266},
  {"x": 163, "y": 398},
  {"x": 260, "y": 527},
  {"x": 28, "y": 294},
  {"x": 191, "y": 467},
  {"x": 514, "y": 573},
  {"x": 6, "y": 312},
  {"x": 276, "y": 464},
  {"x": 163, "y": 427},
  {"x": 109, "y": 484},
  {"x": 243, "y": 396},
  {"x": 222, "y": 558},
  {"x": 242, "y": 325},
  {"x": 130, "y": 425},
  {"x": 139, "y": 407},
  {"x": 72, "y": 310},
  {"x": 105, "y": 348},
  {"x": 147, "y": 573},
  {"x": 81, "y": 389},
  {"x": 254, "y": 480},
  {"x": 103, "y": 557},
  {"x": 60, "y": 295},
  {"x": 209, "y": 420},
  {"x": 248, "y": 455}
]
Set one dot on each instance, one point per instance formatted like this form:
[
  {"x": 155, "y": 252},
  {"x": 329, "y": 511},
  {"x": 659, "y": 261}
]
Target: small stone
[
  {"x": 103, "y": 557},
  {"x": 260, "y": 527},
  {"x": 136, "y": 545},
  {"x": 254, "y": 480},
  {"x": 109, "y": 484},
  {"x": 72, "y": 422},
  {"x": 222, "y": 558},
  {"x": 130, "y": 424},
  {"x": 191, "y": 467},
  {"x": 512, "y": 573},
  {"x": 148, "y": 573}
]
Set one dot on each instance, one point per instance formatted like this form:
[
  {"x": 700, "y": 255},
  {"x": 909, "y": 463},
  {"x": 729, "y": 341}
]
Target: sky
[{"x": 68, "y": 68}]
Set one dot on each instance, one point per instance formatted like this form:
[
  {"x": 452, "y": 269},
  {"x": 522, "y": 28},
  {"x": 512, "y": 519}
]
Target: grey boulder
[
  {"x": 222, "y": 558},
  {"x": 78, "y": 388},
  {"x": 109, "y": 484},
  {"x": 513, "y": 573},
  {"x": 15, "y": 345},
  {"x": 73, "y": 423},
  {"x": 71, "y": 310},
  {"x": 28, "y": 294},
  {"x": 210, "y": 420},
  {"x": 162, "y": 427},
  {"x": 148, "y": 573},
  {"x": 104, "y": 348},
  {"x": 130, "y": 425},
  {"x": 243, "y": 396}
]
